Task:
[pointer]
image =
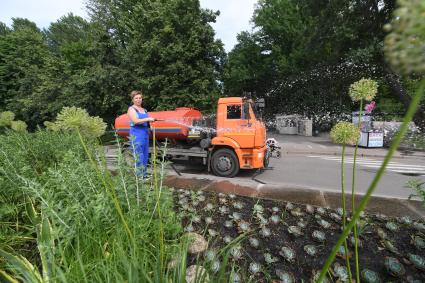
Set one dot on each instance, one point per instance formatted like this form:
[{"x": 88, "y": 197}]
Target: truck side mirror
[{"x": 245, "y": 112}]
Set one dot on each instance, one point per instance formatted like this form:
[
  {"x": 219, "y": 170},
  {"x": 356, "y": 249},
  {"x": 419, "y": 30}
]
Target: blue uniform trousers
[{"x": 139, "y": 136}]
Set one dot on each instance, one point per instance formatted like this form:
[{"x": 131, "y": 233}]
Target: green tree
[
  {"x": 71, "y": 38},
  {"x": 249, "y": 67},
  {"x": 84, "y": 70},
  {"x": 24, "y": 24},
  {"x": 284, "y": 29},
  {"x": 318, "y": 48},
  {"x": 273, "y": 51},
  {"x": 4, "y": 29},
  {"x": 23, "y": 56},
  {"x": 168, "y": 49}
]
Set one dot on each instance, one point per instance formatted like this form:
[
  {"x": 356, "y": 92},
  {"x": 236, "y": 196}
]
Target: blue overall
[{"x": 139, "y": 136}]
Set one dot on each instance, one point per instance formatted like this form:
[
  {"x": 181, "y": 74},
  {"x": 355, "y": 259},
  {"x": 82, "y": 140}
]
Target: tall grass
[{"x": 70, "y": 220}]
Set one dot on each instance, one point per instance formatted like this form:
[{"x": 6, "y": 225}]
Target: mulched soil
[{"x": 192, "y": 204}]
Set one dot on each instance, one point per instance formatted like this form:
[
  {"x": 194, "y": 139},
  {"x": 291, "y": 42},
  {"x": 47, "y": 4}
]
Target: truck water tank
[{"x": 171, "y": 124}]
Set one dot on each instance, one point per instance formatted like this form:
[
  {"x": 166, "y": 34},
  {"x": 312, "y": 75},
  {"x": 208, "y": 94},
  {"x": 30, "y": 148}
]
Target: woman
[{"x": 139, "y": 132}]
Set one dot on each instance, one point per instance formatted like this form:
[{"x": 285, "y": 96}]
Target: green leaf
[
  {"x": 22, "y": 267},
  {"x": 45, "y": 246},
  {"x": 6, "y": 278},
  {"x": 31, "y": 212}
]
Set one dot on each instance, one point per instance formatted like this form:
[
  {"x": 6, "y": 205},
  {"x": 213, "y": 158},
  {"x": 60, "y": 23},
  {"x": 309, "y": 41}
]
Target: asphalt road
[
  {"x": 315, "y": 163},
  {"x": 323, "y": 171}
]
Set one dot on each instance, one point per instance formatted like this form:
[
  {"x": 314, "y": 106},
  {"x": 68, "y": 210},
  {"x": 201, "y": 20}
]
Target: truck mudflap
[
  {"x": 272, "y": 150},
  {"x": 266, "y": 160}
]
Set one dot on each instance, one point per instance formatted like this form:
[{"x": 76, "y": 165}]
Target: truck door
[{"x": 237, "y": 125}]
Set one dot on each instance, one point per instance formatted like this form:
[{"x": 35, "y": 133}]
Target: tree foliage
[
  {"x": 83, "y": 70},
  {"x": 165, "y": 48},
  {"x": 301, "y": 56},
  {"x": 23, "y": 56},
  {"x": 168, "y": 48},
  {"x": 315, "y": 50},
  {"x": 249, "y": 68}
]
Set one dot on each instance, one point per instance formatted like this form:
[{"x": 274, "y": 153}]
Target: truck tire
[{"x": 224, "y": 163}]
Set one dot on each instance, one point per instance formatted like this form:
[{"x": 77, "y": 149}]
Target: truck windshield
[{"x": 256, "y": 111}]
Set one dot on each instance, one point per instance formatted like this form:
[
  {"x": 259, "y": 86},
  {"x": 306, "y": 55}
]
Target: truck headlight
[{"x": 260, "y": 155}]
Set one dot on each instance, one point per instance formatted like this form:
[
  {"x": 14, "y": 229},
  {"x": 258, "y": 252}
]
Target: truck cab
[{"x": 240, "y": 141}]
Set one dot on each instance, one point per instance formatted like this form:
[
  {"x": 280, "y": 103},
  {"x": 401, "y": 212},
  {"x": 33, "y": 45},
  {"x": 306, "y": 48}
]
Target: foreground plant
[
  {"x": 365, "y": 89},
  {"x": 77, "y": 119},
  {"x": 404, "y": 48},
  {"x": 345, "y": 133},
  {"x": 87, "y": 224}
]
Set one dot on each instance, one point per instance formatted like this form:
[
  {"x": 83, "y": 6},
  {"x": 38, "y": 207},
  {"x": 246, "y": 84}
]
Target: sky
[{"x": 235, "y": 15}]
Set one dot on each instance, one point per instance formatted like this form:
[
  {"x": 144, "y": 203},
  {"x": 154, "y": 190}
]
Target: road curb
[{"x": 298, "y": 194}]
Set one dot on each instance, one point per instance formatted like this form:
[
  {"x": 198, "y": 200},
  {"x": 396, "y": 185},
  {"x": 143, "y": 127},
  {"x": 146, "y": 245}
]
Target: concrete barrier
[{"x": 294, "y": 125}]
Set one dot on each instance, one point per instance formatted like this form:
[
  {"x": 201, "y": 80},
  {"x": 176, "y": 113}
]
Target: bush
[
  {"x": 6, "y": 118},
  {"x": 18, "y": 126}
]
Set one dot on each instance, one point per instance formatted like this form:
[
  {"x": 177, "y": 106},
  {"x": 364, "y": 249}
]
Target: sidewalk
[{"x": 322, "y": 145}]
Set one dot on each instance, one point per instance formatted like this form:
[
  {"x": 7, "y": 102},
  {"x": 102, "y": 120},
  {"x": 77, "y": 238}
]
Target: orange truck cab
[
  {"x": 235, "y": 140},
  {"x": 240, "y": 141}
]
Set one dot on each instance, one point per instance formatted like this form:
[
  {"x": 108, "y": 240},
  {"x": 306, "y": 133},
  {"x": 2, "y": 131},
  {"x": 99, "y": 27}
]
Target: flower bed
[{"x": 273, "y": 240}]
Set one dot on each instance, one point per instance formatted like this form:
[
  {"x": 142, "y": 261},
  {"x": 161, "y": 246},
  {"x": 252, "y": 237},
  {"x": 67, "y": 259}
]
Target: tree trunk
[{"x": 394, "y": 82}]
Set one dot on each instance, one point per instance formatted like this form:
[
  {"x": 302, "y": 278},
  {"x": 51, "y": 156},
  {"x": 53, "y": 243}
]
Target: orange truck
[{"x": 234, "y": 139}]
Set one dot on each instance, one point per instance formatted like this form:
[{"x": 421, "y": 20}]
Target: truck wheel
[{"x": 225, "y": 163}]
